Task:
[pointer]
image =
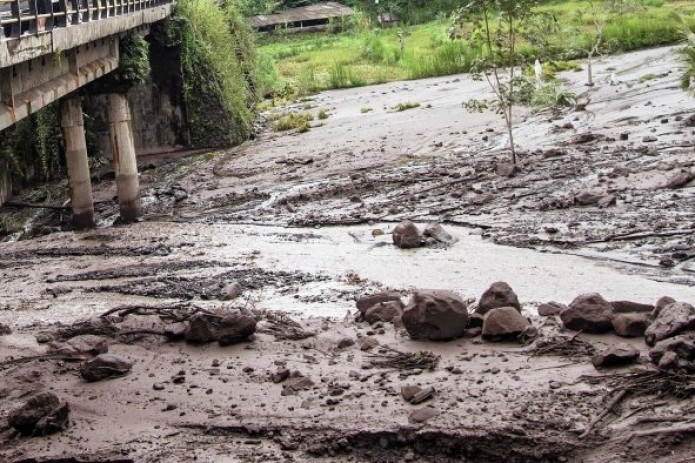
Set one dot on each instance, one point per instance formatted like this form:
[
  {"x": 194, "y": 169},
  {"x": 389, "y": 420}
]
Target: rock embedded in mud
[
  {"x": 416, "y": 394},
  {"x": 224, "y": 326},
  {"x": 505, "y": 169},
  {"x": 85, "y": 344},
  {"x": 5, "y": 329},
  {"x": 615, "y": 356},
  {"x": 368, "y": 343},
  {"x": 44, "y": 413},
  {"x": 435, "y": 315},
  {"x": 588, "y": 197},
  {"x": 406, "y": 235},
  {"x": 631, "y": 307},
  {"x": 503, "y": 324},
  {"x": 364, "y": 303},
  {"x": 675, "y": 352},
  {"x": 422, "y": 415},
  {"x": 679, "y": 179},
  {"x": 548, "y": 309},
  {"x": 590, "y": 313},
  {"x": 630, "y": 325},
  {"x": 672, "y": 320},
  {"x": 384, "y": 312},
  {"x": 105, "y": 366},
  {"x": 499, "y": 294},
  {"x": 231, "y": 291},
  {"x": 436, "y": 231}
]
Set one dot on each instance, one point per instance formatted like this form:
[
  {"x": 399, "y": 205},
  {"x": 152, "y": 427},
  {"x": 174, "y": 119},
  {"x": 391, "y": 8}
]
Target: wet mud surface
[{"x": 302, "y": 223}]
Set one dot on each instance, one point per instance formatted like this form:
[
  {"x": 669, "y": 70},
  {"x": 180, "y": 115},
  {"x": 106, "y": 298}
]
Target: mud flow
[{"x": 383, "y": 287}]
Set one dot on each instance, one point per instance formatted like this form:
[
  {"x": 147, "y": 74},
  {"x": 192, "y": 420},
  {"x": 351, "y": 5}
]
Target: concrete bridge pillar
[
  {"x": 82, "y": 200},
  {"x": 124, "y": 161}
]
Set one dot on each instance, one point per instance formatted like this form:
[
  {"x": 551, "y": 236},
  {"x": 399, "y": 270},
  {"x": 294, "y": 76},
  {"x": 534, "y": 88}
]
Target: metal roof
[{"x": 323, "y": 10}]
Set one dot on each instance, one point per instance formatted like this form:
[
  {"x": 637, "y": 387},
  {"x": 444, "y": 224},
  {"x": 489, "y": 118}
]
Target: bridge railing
[{"x": 22, "y": 17}]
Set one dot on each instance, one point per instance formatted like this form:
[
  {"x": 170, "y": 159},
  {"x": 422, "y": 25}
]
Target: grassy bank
[{"x": 309, "y": 63}]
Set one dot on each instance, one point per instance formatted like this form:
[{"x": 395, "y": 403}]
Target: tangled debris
[
  {"x": 563, "y": 346},
  {"x": 391, "y": 358}
]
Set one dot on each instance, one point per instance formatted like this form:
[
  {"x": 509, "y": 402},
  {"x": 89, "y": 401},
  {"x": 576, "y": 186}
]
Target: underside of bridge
[{"x": 47, "y": 57}]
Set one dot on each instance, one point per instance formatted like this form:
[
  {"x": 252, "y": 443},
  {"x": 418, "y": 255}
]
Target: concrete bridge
[{"x": 51, "y": 48}]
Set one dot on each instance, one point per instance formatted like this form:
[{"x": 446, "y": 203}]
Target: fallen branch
[
  {"x": 23, "y": 205},
  {"x": 660, "y": 431},
  {"x": 605, "y": 412}
]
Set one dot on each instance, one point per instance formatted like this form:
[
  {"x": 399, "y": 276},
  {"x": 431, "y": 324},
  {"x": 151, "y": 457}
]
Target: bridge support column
[
  {"x": 124, "y": 161},
  {"x": 82, "y": 200}
]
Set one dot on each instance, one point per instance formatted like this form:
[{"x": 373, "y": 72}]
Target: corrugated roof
[{"x": 304, "y": 13}]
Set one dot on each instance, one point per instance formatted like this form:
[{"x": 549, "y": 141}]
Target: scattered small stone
[
  {"x": 345, "y": 342},
  {"x": 649, "y": 139},
  {"x": 158, "y": 386},
  {"x": 281, "y": 375},
  {"x": 505, "y": 169},
  {"x": 5, "y": 329},
  {"x": 368, "y": 343},
  {"x": 624, "y": 136}
]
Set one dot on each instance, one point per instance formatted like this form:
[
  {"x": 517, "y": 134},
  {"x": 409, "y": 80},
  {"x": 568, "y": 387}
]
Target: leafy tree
[{"x": 497, "y": 26}]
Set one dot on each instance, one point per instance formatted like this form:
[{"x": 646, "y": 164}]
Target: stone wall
[{"x": 157, "y": 106}]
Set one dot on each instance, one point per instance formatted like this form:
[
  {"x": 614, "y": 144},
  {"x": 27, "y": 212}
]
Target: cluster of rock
[
  {"x": 407, "y": 235},
  {"x": 440, "y": 315},
  {"x": 668, "y": 328}
]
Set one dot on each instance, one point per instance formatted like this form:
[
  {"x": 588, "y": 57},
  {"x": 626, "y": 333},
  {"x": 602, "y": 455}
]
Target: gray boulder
[
  {"x": 590, "y": 313},
  {"x": 681, "y": 346},
  {"x": 615, "y": 356},
  {"x": 630, "y": 325},
  {"x": 631, "y": 307},
  {"x": 77, "y": 346},
  {"x": 499, "y": 294},
  {"x": 224, "y": 326},
  {"x": 384, "y": 312},
  {"x": 548, "y": 309},
  {"x": 435, "y": 315},
  {"x": 364, "y": 303},
  {"x": 672, "y": 320},
  {"x": 663, "y": 302},
  {"x": 44, "y": 413},
  {"x": 406, "y": 235},
  {"x": 436, "y": 231},
  {"x": 105, "y": 366},
  {"x": 503, "y": 324}
]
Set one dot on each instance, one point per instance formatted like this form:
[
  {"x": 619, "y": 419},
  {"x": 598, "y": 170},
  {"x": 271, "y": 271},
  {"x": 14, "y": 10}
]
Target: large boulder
[
  {"x": 44, "y": 413},
  {"x": 384, "y": 312},
  {"x": 499, "y": 294},
  {"x": 590, "y": 313},
  {"x": 406, "y": 235},
  {"x": 615, "y": 356},
  {"x": 435, "y": 315},
  {"x": 503, "y": 324},
  {"x": 630, "y": 325},
  {"x": 675, "y": 352},
  {"x": 224, "y": 326},
  {"x": 105, "y": 366},
  {"x": 663, "y": 302},
  {"x": 673, "y": 319}
]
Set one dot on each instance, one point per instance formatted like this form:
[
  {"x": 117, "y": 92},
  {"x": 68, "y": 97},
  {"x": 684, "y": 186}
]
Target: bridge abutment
[
  {"x": 124, "y": 159},
  {"x": 82, "y": 199}
]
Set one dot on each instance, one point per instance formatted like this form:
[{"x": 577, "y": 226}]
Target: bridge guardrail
[{"x": 20, "y": 18}]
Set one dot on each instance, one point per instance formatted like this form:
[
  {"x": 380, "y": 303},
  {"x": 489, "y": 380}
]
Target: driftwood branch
[{"x": 620, "y": 396}]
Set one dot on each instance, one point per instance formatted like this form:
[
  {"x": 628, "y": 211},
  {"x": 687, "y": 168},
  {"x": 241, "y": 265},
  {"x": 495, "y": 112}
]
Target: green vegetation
[
  {"x": 323, "y": 114},
  {"x": 30, "y": 147},
  {"x": 220, "y": 70},
  {"x": 366, "y": 110},
  {"x": 284, "y": 122},
  {"x": 558, "y": 32},
  {"x": 406, "y": 106},
  {"x": 134, "y": 67}
]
